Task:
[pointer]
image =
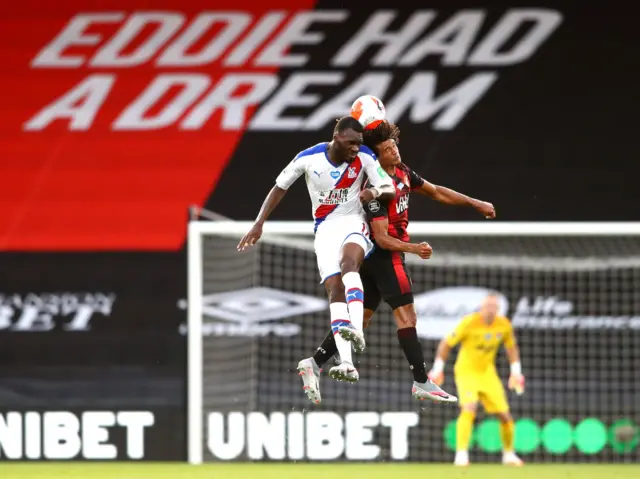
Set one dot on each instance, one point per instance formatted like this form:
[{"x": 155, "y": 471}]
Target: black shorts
[{"x": 384, "y": 276}]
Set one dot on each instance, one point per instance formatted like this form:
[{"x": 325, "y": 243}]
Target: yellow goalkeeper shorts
[{"x": 485, "y": 388}]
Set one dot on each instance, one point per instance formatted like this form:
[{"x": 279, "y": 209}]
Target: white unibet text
[
  {"x": 321, "y": 435},
  {"x": 66, "y": 435}
]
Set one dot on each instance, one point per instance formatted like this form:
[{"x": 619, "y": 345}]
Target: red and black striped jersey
[{"x": 397, "y": 211}]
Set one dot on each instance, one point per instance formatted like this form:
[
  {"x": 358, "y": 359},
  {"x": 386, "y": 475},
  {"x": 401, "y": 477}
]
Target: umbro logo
[{"x": 252, "y": 312}]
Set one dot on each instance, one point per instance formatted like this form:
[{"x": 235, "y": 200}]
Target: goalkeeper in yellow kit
[{"x": 480, "y": 335}]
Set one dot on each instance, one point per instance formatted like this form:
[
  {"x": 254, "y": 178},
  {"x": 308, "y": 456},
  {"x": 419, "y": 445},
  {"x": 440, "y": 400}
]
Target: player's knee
[
  {"x": 405, "y": 316},
  {"x": 504, "y": 417},
  {"x": 349, "y": 265},
  {"x": 335, "y": 291}
]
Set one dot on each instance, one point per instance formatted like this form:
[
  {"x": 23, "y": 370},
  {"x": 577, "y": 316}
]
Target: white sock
[
  {"x": 355, "y": 298},
  {"x": 340, "y": 317}
]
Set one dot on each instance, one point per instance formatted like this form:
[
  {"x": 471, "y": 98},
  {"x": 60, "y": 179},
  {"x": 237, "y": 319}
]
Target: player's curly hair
[{"x": 381, "y": 133}]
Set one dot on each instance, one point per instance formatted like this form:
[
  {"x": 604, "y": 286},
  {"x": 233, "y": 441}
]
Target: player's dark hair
[
  {"x": 381, "y": 133},
  {"x": 348, "y": 123}
]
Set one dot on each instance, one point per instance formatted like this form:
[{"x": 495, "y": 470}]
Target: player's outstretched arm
[
  {"x": 271, "y": 201},
  {"x": 448, "y": 196},
  {"x": 380, "y": 228},
  {"x": 516, "y": 378}
]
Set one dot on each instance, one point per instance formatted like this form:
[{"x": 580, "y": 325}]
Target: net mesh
[{"x": 574, "y": 301}]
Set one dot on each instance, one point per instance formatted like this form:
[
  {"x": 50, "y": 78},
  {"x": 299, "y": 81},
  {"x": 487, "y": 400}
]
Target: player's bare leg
[
  {"x": 423, "y": 388},
  {"x": 350, "y": 261},
  {"x": 464, "y": 430},
  {"x": 507, "y": 431},
  {"x": 345, "y": 371}
]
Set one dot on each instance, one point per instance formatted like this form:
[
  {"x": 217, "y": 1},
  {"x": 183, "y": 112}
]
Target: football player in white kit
[{"x": 335, "y": 172}]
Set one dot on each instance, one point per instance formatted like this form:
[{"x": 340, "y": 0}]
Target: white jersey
[{"x": 334, "y": 190}]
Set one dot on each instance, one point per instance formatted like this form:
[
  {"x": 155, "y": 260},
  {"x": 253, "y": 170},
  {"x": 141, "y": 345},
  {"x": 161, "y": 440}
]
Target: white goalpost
[{"x": 568, "y": 288}]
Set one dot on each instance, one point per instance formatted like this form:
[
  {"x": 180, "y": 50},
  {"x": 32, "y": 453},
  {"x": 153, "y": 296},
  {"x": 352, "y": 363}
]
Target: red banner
[{"x": 111, "y": 116}]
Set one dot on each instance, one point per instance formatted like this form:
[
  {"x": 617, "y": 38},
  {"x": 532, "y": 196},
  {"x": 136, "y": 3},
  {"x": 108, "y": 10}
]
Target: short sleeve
[
  {"x": 415, "y": 180},
  {"x": 459, "y": 333},
  {"x": 375, "y": 210},
  {"x": 376, "y": 175},
  {"x": 292, "y": 172}
]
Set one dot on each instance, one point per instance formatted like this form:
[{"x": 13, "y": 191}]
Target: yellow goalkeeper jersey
[{"x": 479, "y": 342}]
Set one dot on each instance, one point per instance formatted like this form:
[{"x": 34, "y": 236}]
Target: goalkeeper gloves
[
  {"x": 516, "y": 379},
  {"x": 437, "y": 372}
]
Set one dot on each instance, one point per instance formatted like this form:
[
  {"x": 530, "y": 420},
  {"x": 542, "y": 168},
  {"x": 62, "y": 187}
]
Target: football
[{"x": 369, "y": 111}]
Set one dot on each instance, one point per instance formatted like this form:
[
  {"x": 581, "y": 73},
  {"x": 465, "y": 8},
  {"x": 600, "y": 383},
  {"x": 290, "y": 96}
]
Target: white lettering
[
  {"x": 266, "y": 434},
  {"x": 400, "y": 423},
  {"x": 135, "y": 422},
  {"x": 235, "y": 108},
  {"x": 73, "y": 35},
  {"x": 295, "y": 33},
  {"x": 110, "y": 55},
  {"x": 324, "y": 435},
  {"x": 234, "y": 445},
  {"x": 375, "y": 84},
  {"x": 61, "y": 435},
  {"x": 359, "y": 434},
  {"x": 256, "y": 37},
  {"x": 291, "y": 94},
  {"x": 11, "y": 435},
  {"x": 418, "y": 94},
  {"x": 295, "y": 435},
  {"x": 488, "y": 52},
  {"x": 134, "y": 117},
  {"x": 32, "y": 430},
  {"x": 80, "y": 105},
  {"x": 452, "y": 40},
  {"x": 95, "y": 435},
  {"x": 374, "y": 32},
  {"x": 176, "y": 54}
]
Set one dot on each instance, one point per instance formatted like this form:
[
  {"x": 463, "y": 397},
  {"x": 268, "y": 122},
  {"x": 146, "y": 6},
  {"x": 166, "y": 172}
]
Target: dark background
[{"x": 553, "y": 139}]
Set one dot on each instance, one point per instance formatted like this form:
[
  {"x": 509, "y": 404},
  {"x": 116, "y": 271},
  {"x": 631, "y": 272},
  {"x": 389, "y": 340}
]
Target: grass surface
[{"x": 311, "y": 471}]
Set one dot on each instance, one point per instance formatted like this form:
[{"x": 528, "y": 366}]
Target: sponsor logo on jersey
[
  {"x": 402, "y": 204},
  {"x": 334, "y": 197}
]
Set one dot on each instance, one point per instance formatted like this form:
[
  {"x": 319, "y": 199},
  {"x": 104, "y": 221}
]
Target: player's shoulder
[
  {"x": 318, "y": 149},
  {"x": 366, "y": 151},
  {"x": 469, "y": 319},
  {"x": 503, "y": 321}
]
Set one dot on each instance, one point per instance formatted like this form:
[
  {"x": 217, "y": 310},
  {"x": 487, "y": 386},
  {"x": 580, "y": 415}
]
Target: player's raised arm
[
  {"x": 382, "y": 187},
  {"x": 285, "y": 179},
  {"x": 516, "y": 379},
  {"x": 448, "y": 196},
  {"x": 377, "y": 214}
]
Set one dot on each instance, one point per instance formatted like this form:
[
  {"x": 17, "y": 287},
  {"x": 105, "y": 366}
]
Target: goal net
[{"x": 571, "y": 290}]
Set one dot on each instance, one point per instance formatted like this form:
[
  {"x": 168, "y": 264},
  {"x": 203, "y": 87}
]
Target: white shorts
[{"x": 332, "y": 234}]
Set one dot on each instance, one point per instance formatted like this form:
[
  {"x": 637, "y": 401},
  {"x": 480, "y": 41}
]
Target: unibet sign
[
  {"x": 314, "y": 436},
  {"x": 557, "y": 436}
]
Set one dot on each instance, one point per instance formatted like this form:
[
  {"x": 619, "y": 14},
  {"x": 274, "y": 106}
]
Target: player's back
[{"x": 479, "y": 342}]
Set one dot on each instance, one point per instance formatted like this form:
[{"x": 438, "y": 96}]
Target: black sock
[
  {"x": 408, "y": 339},
  {"x": 326, "y": 350}
]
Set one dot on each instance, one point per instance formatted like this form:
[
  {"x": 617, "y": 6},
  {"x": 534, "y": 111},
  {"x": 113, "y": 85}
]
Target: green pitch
[{"x": 312, "y": 471}]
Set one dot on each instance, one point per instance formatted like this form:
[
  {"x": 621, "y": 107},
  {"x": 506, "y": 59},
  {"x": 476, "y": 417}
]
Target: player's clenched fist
[
  {"x": 251, "y": 237},
  {"x": 486, "y": 209},
  {"x": 424, "y": 250}
]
